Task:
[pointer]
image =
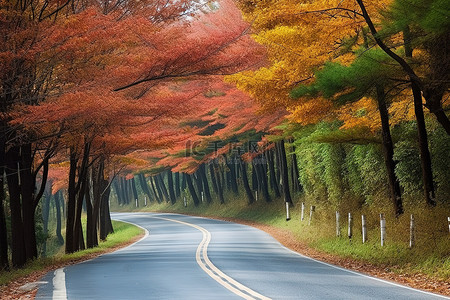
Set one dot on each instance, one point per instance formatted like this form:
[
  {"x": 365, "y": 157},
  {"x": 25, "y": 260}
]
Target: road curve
[{"x": 186, "y": 257}]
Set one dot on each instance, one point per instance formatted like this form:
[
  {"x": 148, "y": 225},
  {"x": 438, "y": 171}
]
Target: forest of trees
[{"x": 343, "y": 102}]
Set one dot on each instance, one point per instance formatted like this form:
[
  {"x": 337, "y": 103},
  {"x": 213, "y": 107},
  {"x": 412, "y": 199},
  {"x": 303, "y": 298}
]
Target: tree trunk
[
  {"x": 204, "y": 179},
  {"x": 45, "y": 217},
  {"x": 248, "y": 191},
  {"x": 135, "y": 193},
  {"x": 388, "y": 151},
  {"x": 78, "y": 229},
  {"x": 227, "y": 178},
  {"x": 158, "y": 188},
  {"x": 255, "y": 186},
  {"x": 272, "y": 176},
  {"x": 63, "y": 206},
  {"x": 192, "y": 190},
  {"x": 27, "y": 191},
  {"x": 105, "y": 216},
  {"x": 90, "y": 220},
  {"x": 170, "y": 186},
  {"x": 217, "y": 186},
  {"x": 76, "y": 190},
  {"x": 435, "y": 107},
  {"x": 224, "y": 177},
  {"x": 220, "y": 185},
  {"x": 213, "y": 178},
  {"x": 118, "y": 189},
  {"x": 234, "y": 183},
  {"x": 425, "y": 158},
  {"x": 438, "y": 77},
  {"x": 262, "y": 177},
  {"x": 71, "y": 202},
  {"x": 183, "y": 183},
  {"x": 156, "y": 191},
  {"x": 4, "y": 263},
  {"x": 163, "y": 187},
  {"x": 126, "y": 190},
  {"x": 298, "y": 186},
  {"x": 231, "y": 175},
  {"x": 177, "y": 185},
  {"x": 90, "y": 225},
  {"x": 12, "y": 175},
  {"x": 58, "y": 197},
  {"x": 116, "y": 185},
  {"x": 427, "y": 173},
  {"x": 78, "y": 243},
  {"x": 100, "y": 186},
  {"x": 278, "y": 167},
  {"x": 284, "y": 172},
  {"x": 198, "y": 183},
  {"x": 144, "y": 186}
]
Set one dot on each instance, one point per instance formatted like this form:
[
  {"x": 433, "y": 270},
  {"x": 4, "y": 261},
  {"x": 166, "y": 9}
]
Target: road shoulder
[{"x": 287, "y": 239}]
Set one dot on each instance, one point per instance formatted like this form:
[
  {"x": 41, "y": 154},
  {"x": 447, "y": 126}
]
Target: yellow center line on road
[{"x": 210, "y": 269}]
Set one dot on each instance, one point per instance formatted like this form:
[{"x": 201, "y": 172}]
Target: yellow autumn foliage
[
  {"x": 300, "y": 36},
  {"x": 312, "y": 111},
  {"x": 362, "y": 113}
]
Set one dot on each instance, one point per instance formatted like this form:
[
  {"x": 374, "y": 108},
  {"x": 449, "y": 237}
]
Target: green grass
[
  {"x": 430, "y": 256},
  {"x": 123, "y": 233}
]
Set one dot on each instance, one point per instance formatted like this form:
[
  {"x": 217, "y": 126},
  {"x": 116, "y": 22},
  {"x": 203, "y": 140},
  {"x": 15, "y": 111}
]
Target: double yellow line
[{"x": 203, "y": 261}]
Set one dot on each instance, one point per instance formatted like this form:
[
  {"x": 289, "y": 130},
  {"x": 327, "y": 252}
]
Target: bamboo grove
[{"x": 341, "y": 102}]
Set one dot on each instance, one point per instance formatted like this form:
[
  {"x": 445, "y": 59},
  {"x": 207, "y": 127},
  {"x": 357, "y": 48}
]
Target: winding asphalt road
[{"x": 184, "y": 257}]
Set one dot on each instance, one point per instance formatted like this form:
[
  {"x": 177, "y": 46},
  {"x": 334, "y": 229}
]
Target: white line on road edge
[
  {"x": 226, "y": 281},
  {"x": 362, "y": 274},
  {"x": 59, "y": 285},
  {"x": 59, "y": 277},
  {"x": 134, "y": 224}
]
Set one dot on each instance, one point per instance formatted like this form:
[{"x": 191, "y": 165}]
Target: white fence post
[
  {"x": 184, "y": 201},
  {"x": 364, "y": 228},
  {"x": 202, "y": 197},
  {"x": 338, "y": 227},
  {"x": 412, "y": 236},
  {"x": 382, "y": 229},
  {"x": 303, "y": 212},
  {"x": 350, "y": 225},
  {"x": 136, "y": 203},
  {"x": 288, "y": 215},
  {"x": 313, "y": 208},
  {"x": 145, "y": 200},
  {"x": 256, "y": 196}
]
